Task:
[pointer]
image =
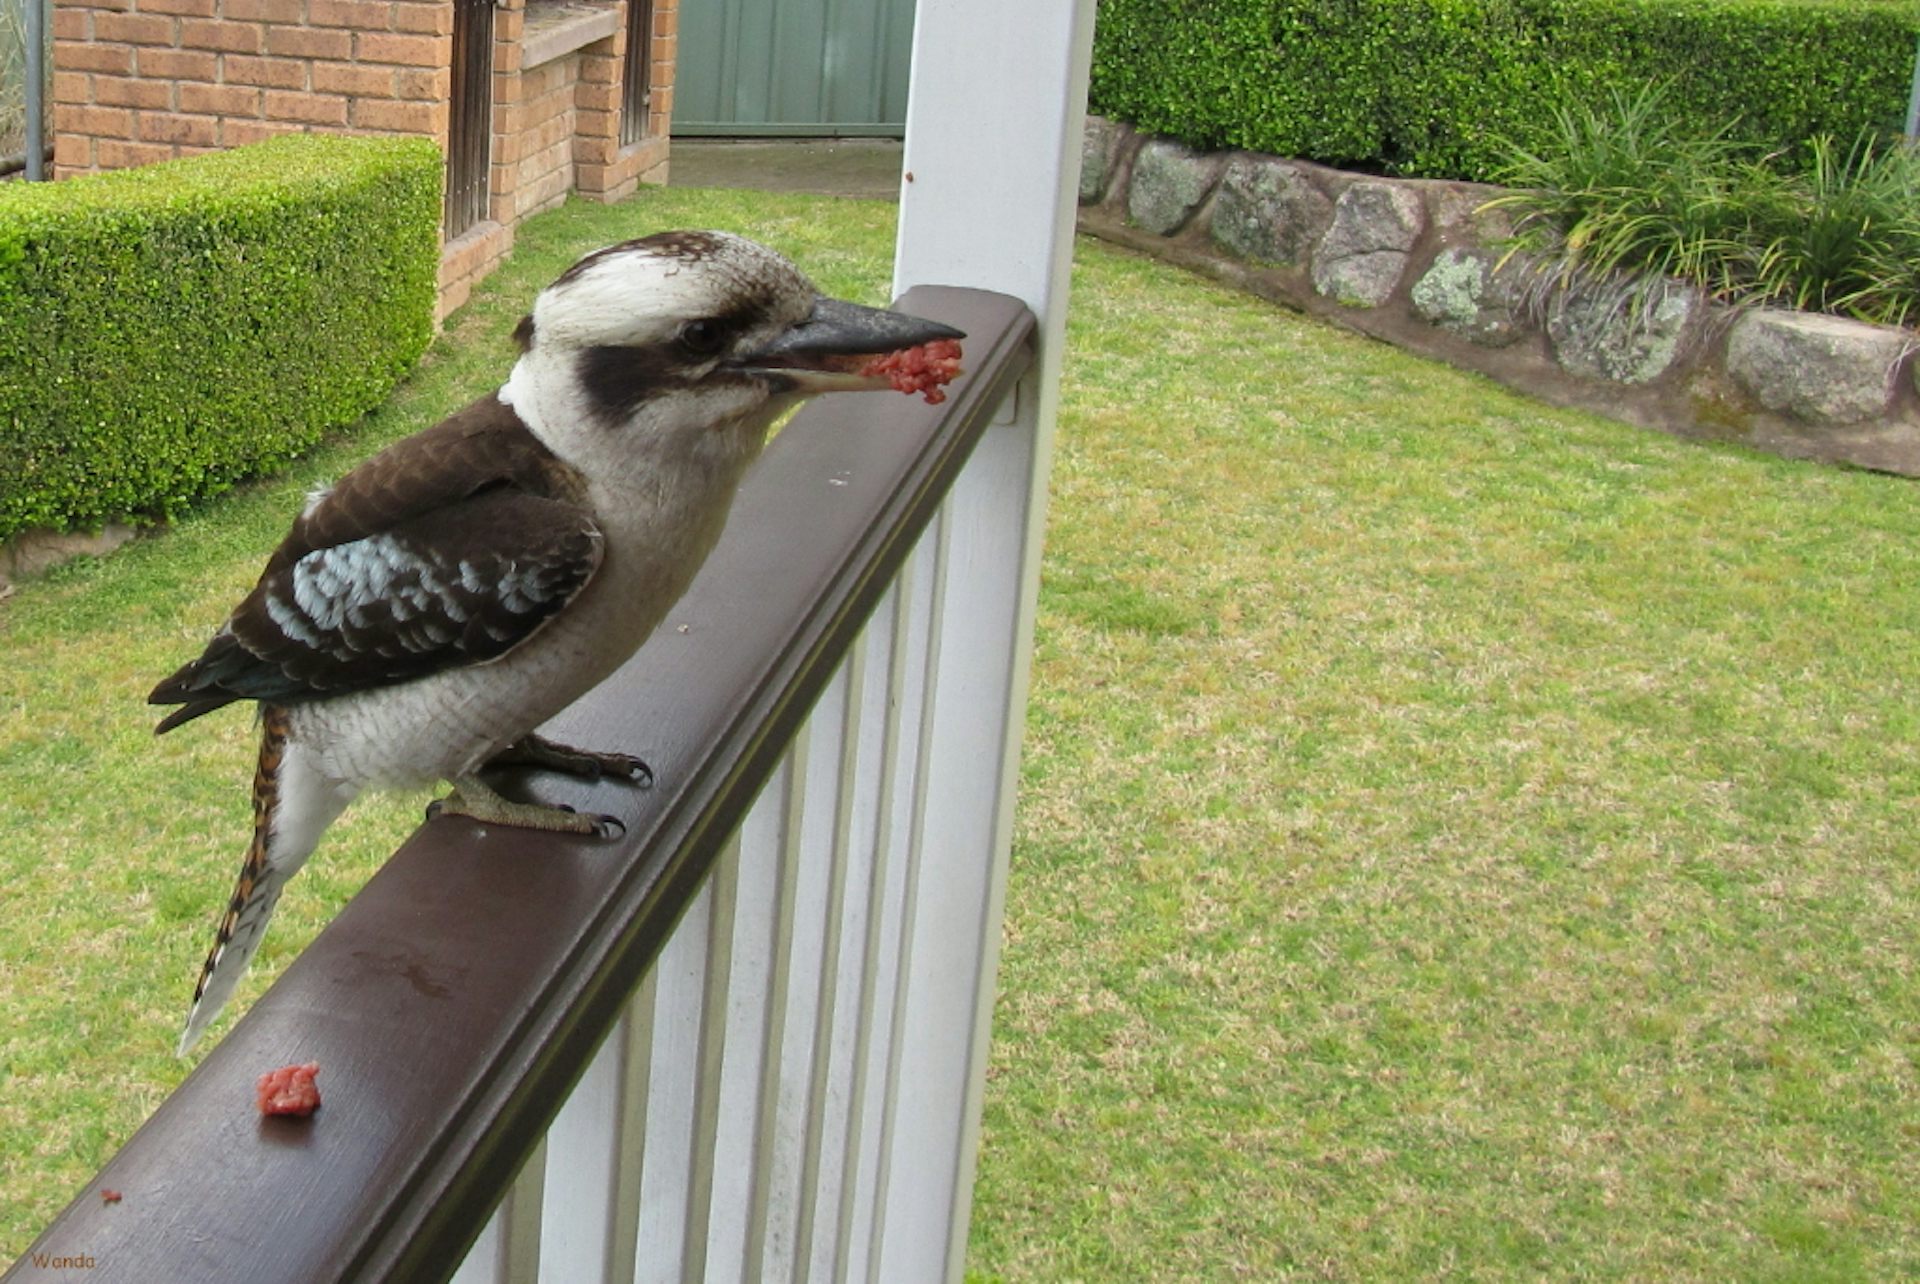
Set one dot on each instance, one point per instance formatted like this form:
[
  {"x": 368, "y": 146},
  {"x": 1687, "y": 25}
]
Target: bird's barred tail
[{"x": 262, "y": 876}]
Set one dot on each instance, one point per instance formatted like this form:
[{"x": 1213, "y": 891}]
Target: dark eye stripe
[{"x": 617, "y": 380}]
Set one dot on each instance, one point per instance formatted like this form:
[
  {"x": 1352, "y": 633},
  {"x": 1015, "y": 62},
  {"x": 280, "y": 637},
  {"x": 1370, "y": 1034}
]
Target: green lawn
[{"x": 1458, "y": 837}]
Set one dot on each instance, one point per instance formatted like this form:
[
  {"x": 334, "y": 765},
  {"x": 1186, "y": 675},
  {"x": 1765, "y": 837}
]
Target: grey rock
[
  {"x": 1361, "y": 258},
  {"x": 1169, "y": 183},
  {"x": 1822, "y": 369},
  {"x": 1360, "y": 280},
  {"x": 1628, "y": 336},
  {"x": 1461, "y": 208},
  {"x": 1099, "y": 144},
  {"x": 1269, "y": 211},
  {"x": 31, "y": 552},
  {"x": 1462, "y": 293}
]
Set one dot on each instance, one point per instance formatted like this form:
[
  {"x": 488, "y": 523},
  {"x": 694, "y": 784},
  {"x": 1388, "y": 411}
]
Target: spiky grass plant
[
  {"x": 1628, "y": 189},
  {"x": 1625, "y": 188},
  {"x": 1841, "y": 235}
]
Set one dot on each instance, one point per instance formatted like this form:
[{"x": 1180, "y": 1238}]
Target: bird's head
[{"x": 684, "y": 332}]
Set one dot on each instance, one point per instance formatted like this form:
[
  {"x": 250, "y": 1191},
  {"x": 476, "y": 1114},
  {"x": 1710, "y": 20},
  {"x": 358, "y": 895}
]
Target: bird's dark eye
[{"x": 703, "y": 338}]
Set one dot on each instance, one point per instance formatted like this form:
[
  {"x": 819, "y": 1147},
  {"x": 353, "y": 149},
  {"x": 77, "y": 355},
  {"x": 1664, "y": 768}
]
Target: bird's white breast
[{"x": 659, "y": 520}]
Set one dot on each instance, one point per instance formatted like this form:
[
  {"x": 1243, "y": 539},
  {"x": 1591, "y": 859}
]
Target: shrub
[
  {"x": 1626, "y": 190},
  {"x": 165, "y": 331},
  {"x": 1422, "y": 86}
]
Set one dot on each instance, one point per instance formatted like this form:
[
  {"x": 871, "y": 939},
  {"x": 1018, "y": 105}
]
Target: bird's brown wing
[{"x": 450, "y": 547}]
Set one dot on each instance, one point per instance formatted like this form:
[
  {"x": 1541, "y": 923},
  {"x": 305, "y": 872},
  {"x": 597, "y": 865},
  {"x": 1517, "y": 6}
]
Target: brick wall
[
  {"x": 145, "y": 80},
  {"x": 137, "y": 81},
  {"x": 556, "y": 129}
]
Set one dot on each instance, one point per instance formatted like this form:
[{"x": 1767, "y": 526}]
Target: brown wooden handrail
[{"x": 456, "y": 1000}]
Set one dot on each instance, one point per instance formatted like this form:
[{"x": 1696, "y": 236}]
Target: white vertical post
[{"x": 995, "y": 110}]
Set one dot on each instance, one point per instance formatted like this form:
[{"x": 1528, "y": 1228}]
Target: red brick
[
  {"x": 353, "y": 79},
  {"x": 101, "y": 122},
  {"x": 508, "y": 148},
  {"x": 216, "y": 33},
  {"x": 72, "y": 153},
  {"x": 433, "y": 19},
  {"x": 274, "y": 73},
  {"x": 539, "y": 164},
  {"x": 292, "y": 12},
  {"x": 179, "y": 8},
  {"x": 596, "y": 97},
  {"x": 131, "y": 91},
  {"x": 454, "y": 295},
  {"x": 71, "y": 55},
  {"x": 305, "y": 42},
  {"x": 475, "y": 252},
  {"x": 312, "y": 109},
  {"x": 418, "y": 82},
  {"x": 594, "y": 151},
  {"x": 173, "y": 127},
  {"x": 177, "y": 64},
  {"x": 114, "y": 154},
  {"x": 405, "y": 51},
  {"x": 72, "y": 24},
  {"x": 599, "y": 70},
  {"x": 238, "y": 133},
  {"x": 72, "y": 87},
  {"x": 219, "y": 100},
  {"x": 134, "y": 28},
  {"x": 359, "y": 15},
  {"x": 400, "y": 117},
  {"x": 559, "y": 77},
  {"x": 118, "y": 6},
  {"x": 596, "y": 124},
  {"x": 538, "y": 200}
]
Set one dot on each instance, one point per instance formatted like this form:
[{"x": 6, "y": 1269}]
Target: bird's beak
[{"x": 827, "y": 351}]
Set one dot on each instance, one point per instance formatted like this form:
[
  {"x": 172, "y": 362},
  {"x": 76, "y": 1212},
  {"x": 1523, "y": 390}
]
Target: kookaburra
[{"x": 432, "y": 608}]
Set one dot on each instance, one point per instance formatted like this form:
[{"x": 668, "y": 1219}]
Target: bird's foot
[
  {"x": 474, "y": 800},
  {"x": 589, "y": 764}
]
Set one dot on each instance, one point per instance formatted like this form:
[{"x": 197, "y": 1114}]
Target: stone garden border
[{"x": 1416, "y": 262}]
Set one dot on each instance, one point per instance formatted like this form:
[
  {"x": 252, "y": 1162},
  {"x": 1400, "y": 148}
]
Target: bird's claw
[
  {"x": 605, "y": 825},
  {"x": 615, "y": 766},
  {"x": 636, "y": 772},
  {"x": 473, "y": 799},
  {"x": 588, "y": 764}
]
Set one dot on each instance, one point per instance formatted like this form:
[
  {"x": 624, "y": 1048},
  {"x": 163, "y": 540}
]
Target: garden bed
[{"x": 1421, "y": 263}]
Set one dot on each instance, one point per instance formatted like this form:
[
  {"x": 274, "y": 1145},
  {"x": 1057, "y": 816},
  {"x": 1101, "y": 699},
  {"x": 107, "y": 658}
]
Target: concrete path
[{"x": 867, "y": 167}]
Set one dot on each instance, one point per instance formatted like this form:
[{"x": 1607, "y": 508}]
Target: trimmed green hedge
[
  {"x": 1422, "y": 87},
  {"x": 165, "y": 331}
]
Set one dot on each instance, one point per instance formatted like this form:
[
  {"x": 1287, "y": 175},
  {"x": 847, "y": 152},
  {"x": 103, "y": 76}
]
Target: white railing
[{"x": 743, "y": 1121}]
